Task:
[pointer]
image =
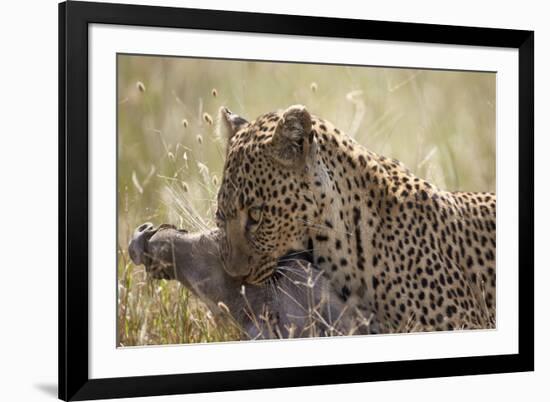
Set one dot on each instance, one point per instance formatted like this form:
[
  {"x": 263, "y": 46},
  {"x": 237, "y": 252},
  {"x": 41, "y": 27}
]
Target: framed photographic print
[{"x": 319, "y": 192}]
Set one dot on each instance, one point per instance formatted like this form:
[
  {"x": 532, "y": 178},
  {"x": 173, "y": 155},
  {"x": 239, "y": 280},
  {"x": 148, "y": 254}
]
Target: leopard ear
[
  {"x": 229, "y": 123},
  {"x": 293, "y": 138}
]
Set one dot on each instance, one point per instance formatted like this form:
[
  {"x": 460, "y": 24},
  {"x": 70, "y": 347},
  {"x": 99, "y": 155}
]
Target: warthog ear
[
  {"x": 229, "y": 123},
  {"x": 293, "y": 139}
]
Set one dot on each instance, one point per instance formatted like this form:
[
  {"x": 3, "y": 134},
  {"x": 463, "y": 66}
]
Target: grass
[{"x": 441, "y": 124}]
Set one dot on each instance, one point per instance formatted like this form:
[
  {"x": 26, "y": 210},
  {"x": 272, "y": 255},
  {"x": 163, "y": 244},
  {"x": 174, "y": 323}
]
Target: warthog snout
[{"x": 137, "y": 247}]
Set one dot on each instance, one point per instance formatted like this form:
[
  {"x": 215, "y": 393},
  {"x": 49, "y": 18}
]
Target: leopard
[{"x": 392, "y": 245}]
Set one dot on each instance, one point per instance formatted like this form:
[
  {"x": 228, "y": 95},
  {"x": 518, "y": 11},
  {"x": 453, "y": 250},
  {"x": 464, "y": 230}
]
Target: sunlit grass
[{"x": 170, "y": 161}]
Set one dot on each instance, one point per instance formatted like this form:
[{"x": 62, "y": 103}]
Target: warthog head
[{"x": 296, "y": 302}]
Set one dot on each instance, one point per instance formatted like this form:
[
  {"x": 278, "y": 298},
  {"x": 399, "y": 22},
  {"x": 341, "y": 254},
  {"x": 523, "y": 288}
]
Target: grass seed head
[
  {"x": 140, "y": 86},
  {"x": 207, "y": 118}
]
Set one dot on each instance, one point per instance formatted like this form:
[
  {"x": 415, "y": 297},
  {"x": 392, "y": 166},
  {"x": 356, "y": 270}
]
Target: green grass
[{"x": 170, "y": 159}]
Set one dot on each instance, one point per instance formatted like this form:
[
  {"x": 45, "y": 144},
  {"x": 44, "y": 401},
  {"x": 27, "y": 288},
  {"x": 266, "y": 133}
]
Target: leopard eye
[{"x": 254, "y": 216}]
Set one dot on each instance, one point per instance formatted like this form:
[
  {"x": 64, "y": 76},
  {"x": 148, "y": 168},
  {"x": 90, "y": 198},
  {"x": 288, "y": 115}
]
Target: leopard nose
[{"x": 138, "y": 245}]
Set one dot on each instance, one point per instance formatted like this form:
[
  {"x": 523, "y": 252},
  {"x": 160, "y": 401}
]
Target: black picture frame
[{"x": 74, "y": 19}]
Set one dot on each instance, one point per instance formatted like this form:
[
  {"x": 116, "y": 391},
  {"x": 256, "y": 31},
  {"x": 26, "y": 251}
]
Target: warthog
[{"x": 296, "y": 302}]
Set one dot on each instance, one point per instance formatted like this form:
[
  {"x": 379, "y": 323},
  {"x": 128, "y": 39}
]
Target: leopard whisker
[{"x": 322, "y": 227}]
